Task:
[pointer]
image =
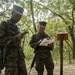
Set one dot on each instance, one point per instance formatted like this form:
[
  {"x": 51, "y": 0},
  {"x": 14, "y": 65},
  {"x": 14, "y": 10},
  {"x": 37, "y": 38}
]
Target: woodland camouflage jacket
[{"x": 40, "y": 51}]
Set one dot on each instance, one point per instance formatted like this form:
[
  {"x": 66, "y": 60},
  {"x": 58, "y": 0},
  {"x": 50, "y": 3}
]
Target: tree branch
[
  {"x": 53, "y": 12},
  {"x": 32, "y": 15},
  {"x": 2, "y": 13},
  {"x": 69, "y": 45}
]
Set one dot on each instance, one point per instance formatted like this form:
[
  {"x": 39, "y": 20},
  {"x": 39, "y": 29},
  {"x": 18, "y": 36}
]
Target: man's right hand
[{"x": 20, "y": 36}]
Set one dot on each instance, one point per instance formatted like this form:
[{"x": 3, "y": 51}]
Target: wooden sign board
[{"x": 62, "y": 36}]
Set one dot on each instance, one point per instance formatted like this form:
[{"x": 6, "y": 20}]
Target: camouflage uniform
[
  {"x": 14, "y": 57},
  {"x": 42, "y": 54}
]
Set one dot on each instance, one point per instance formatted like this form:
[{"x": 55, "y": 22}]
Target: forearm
[
  {"x": 34, "y": 44},
  {"x": 8, "y": 39}
]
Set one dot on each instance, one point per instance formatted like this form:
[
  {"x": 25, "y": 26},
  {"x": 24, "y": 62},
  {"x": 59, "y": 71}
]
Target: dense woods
[{"x": 60, "y": 17}]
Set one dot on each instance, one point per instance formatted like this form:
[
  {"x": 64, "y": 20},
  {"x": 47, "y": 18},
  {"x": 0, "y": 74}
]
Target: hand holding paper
[{"x": 46, "y": 42}]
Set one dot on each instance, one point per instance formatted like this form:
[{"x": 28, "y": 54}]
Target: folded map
[{"x": 46, "y": 41}]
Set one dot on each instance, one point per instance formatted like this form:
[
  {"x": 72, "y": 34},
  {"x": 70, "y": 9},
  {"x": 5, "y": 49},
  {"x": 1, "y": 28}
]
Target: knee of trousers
[{"x": 40, "y": 69}]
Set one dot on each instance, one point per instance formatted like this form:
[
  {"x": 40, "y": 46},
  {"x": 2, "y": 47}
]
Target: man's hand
[
  {"x": 21, "y": 35},
  {"x": 50, "y": 45}
]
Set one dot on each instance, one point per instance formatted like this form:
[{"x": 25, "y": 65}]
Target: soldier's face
[
  {"x": 16, "y": 17},
  {"x": 41, "y": 30}
]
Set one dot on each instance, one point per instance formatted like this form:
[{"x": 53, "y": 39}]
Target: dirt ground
[{"x": 68, "y": 69}]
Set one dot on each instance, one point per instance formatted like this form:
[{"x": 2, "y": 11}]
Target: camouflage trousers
[
  {"x": 15, "y": 63},
  {"x": 47, "y": 62}
]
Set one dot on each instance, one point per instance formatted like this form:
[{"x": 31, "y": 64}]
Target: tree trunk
[
  {"x": 31, "y": 4},
  {"x": 73, "y": 40},
  {"x": 73, "y": 48}
]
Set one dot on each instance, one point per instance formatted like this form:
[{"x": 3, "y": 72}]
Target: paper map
[{"x": 46, "y": 41}]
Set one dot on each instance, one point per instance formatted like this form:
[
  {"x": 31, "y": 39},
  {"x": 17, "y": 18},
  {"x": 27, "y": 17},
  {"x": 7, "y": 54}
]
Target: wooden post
[
  {"x": 61, "y": 36},
  {"x": 61, "y": 57}
]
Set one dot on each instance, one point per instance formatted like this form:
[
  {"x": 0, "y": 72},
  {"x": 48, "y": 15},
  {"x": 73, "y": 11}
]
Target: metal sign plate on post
[{"x": 61, "y": 36}]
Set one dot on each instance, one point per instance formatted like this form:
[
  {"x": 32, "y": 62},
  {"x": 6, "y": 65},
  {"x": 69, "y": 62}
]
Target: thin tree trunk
[{"x": 31, "y": 4}]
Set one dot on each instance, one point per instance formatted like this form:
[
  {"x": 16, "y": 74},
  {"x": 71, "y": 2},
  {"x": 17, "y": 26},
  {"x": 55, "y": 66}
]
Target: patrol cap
[
  {"x": 42, "y": 24},
  {"x": 19, "y": 10}
]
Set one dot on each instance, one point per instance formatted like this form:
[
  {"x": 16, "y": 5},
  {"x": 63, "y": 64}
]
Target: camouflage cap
[
  {"x": 19, "y": 10},
  {"x": 42, "y": 24}
]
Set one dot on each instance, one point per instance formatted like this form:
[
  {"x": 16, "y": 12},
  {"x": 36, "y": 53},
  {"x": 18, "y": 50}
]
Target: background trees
[{"x": 59, "y": 14}]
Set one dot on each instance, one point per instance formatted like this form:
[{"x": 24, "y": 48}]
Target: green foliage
[{"x": 57, "y": 14}]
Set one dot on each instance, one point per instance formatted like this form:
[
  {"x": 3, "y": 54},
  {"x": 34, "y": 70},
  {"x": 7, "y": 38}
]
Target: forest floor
[{"x": 68, "y": 69}]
